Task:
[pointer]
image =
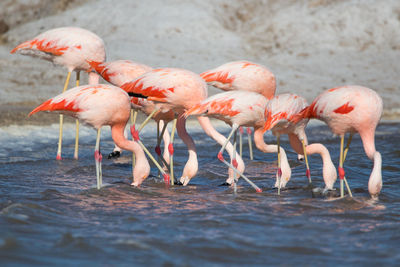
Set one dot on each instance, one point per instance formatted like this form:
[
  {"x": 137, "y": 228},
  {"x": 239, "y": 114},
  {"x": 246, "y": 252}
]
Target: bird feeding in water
[
  {"x": 351, "y": 109},
  {"x": 173, "y": 90},
  {"x": 101, "y": 105},
  {"x": 278, "y": 113}
]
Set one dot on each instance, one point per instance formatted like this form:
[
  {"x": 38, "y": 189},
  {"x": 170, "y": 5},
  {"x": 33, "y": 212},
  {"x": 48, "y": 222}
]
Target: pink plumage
[
  {"x": 244, "y": 76},
  {"x": 234, "y": 107},
  {"x": 98, "y": 106},
  {"x": 120, "y": 71},
  {"x": 180, "y": 89},
  {"x": 71, "y": 47},
  {"x": 351, "y": 109},
  {"x": 280, "y": 109}
]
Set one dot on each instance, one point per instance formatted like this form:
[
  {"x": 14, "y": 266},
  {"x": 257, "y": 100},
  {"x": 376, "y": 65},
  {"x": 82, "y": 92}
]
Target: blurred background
[{"x": 309, "y": 45}]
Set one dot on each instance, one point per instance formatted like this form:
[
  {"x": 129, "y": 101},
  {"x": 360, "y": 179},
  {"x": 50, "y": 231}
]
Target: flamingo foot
[{"x": 114, "y": 154}]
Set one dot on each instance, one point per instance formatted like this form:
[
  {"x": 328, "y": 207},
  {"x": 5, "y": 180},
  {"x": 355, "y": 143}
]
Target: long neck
[
  {"x": 368, "y": 139},
  {"x": 262, "y": 146},
  {"x": 93, "y": 78},
  {"x": 328, "y": 170},
  {"x": 375, "y": 179},
  {"x": 142, "y": 167},
  {"x": 205, "y": 123},
  {"x": 191, "y": 166}
]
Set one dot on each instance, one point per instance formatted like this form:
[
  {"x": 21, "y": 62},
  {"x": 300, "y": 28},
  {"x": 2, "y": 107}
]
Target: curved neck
[
  {"x": 191, "y": 166},
  {"x": 117, "y": 134},
  {"x": 375, "y": 179},
  {"x": 328, "y": 170},
  {"x": 318, "y": 149},
  {"x": 368, "y": 139},
  {"x": 260, "y": 143}
]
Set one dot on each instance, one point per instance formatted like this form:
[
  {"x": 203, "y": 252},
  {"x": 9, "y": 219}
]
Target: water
[{"x": 51, "y": 213}]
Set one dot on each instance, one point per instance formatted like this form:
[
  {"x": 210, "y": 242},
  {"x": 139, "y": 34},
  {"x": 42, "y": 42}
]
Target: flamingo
[
  {"x": 351, "y": 109},
  {"x": 278, "y": 113},
  {"x": 243, "y": 76},
  {"x": 239, "y": 108},
  {"x": 177, "y": 90},
  {"x": 122, "y": 71},
  {"x": 72, "y": 48},
  {"x": 100, "y": 105}
]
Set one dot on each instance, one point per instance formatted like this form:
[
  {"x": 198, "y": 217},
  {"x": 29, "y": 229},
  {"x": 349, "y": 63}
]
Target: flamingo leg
[
  {"x": 98, "y": 157},
  {"x": 308, "y": 173},
  {"x": 234, "y": 163},
  {"x": 76, "y": 150},
  {"x": 344, "y": 158},
  {"x": 220, "y": 153},
  {"x": 242, "y": 175},
  {"x": 147, "y": 119},
  {"x": 171, "y": 152},
  {"x": 279, "y": 163},
  {"x": 341, "y": 170},
  {"x": 62, "y": 120},
  {"x": 133, "y": 122},
  {"x": 250, "y": 142},
  {"x": 241, "y": 141},
  {"x": 221, "y": 158},
  {"x": 158, "y": 149}
]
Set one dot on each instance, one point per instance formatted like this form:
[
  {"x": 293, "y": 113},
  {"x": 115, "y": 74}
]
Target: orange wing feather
[
  {"x": 44, "y": 46},
  {"x": 49, "y": 106}
]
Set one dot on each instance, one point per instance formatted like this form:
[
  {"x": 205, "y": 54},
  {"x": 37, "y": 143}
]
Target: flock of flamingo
[{"x": 173, "y": 94}]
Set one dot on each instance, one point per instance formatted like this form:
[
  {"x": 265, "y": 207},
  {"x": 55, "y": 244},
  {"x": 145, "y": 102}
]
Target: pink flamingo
[
  {"x": 101, "y": 105},
  {"x": 120, "y": 72},
  {"x": 351, "y": 109},
  {"x": 237, "y": 108},
  {"x": 176, "y": 90},
  {"x": 280, "y": 109},
  {"x": 243, "y": 76},
  {"x": 72, "y": 48}
]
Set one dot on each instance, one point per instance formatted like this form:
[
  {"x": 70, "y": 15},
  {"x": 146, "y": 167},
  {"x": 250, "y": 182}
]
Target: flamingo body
[
  {"x": 173, "y": 90},
  {"x": 234, "y": 107},
  {"x": 177, "y": 89},
  {"x": 243, "y": 76},
  {"x": 71, "y": 47},
  {"x": 351, "y": 109},
  {"x": 348, "y": 109},
  {"x": 280, "y": 110},
  {"x": 98, "y": 106}
]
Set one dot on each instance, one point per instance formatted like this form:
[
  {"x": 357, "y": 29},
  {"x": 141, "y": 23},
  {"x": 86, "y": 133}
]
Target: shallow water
[{"x": 51, "y": 214}]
